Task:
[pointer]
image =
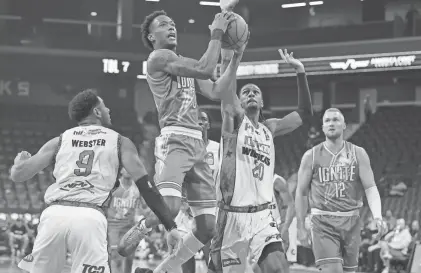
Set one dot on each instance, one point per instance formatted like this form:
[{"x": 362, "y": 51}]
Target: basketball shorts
[
  {"x": 118, "y": 262},
  {"x": 336, "y": 239},
  {"x": 79, "y": 230},
  {"x": 181, "y": 166},
  {"x": 240, "y": 239}
]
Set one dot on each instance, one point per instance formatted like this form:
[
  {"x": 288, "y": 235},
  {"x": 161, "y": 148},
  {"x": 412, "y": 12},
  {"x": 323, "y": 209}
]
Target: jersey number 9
[{"x": 85, "y": 163}]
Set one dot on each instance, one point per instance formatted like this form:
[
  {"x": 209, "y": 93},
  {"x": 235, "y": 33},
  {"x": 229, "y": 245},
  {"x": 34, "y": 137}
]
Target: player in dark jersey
[
  {"x": 180, "y": 150},
  {"x": 334, "y": 175},
  {"x": 120, "y": 216}
]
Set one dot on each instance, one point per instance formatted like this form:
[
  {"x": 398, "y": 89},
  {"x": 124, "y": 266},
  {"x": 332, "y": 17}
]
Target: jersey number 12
[{"x": 85, "y": 163}]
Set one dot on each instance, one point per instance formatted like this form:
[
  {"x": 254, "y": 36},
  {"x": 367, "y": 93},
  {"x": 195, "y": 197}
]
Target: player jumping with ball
[{"x": 180, "y": 150}]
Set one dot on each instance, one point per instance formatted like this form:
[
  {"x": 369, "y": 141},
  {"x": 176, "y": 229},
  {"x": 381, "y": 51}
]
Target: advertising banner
[{"x": 332, "y": 65}]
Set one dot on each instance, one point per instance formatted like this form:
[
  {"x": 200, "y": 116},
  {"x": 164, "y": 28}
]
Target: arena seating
[{"x": 391, "y": 138}]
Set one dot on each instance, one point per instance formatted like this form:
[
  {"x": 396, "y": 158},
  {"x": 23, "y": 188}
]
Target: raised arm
[
  {"x": 230, "y": 104},
  {"x": 27, "y": 166},
  {"x": 166, "y": 61},
  {"x": 305, "y": 110},
  {"x": 230, "y": 62},
  {"x": 133, "y": 165},
  {"x": 305, "y": 173}
]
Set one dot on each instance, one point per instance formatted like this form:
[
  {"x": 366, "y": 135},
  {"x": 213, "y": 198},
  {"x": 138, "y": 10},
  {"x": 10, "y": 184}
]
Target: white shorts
[
  {"x": 240, "y": 239},
  {"x": 80, "y": 231}
]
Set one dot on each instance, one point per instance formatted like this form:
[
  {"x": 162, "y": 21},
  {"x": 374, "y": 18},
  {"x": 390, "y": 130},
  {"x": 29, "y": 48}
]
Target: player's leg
[
  {"x": 230, "y": 247},
  {"x": 326, "y": 242},
  {"x": 127, "y": 264},
  {"x": 206, "y": 252},
  {"x": 88, "y": 242},
  {"x": 201, "y": 197},
  {"x": 116, "y": 261},
  {"x": 266, "y": 245},
  {"x": 49, "y": 251},
  {"x": 352, "y": 242},
  {"x": 189, "y": 266},
  {"x": 175, "y": 156}
]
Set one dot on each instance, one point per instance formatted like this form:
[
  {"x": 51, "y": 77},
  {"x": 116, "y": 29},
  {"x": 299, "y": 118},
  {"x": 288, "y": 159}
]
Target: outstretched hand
[{"x": 289, "y": 59}]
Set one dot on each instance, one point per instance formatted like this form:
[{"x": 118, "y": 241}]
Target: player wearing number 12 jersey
[
  {"x": 87, "y": 160},
  {"x": 245, "y": 225},
  {"x": 334, "y": 175}
]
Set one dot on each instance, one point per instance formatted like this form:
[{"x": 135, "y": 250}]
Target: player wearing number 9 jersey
[
  {"x": 87, "y": 160},
  {"x": 334, "y": 175},
  {"x": 245, "y": 225}
]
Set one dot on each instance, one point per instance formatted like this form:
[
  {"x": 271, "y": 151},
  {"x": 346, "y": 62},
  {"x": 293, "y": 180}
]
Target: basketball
[{"x": 236, "y": 35}]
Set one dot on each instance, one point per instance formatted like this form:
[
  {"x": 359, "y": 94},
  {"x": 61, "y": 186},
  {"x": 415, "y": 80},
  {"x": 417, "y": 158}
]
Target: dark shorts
[
  {"x": 181, "y": 166},
  {"x": 336, "y": 239}
]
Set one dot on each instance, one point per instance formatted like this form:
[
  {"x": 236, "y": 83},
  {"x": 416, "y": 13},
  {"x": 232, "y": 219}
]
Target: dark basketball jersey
[
  {"x": 336, "y": 184},
  {"x": 122, "y": 208},
  {"x": 175, "y": 99}
]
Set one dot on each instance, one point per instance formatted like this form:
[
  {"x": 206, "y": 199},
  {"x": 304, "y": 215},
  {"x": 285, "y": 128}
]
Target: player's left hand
[
  {"x": 22, "y": 156},
  {"x": 173, "y": 240},
  {"x": 289, "y": 59}
]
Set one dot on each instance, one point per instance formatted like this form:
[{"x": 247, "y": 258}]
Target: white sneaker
[{"x": 132, "y": 238}]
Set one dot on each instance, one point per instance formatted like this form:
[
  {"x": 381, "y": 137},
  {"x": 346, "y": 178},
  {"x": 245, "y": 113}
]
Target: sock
[{"x": 189, "y": 246}]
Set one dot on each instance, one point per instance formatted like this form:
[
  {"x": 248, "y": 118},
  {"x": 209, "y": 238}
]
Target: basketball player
[
  {"x": 180, "y": 150},
  {"x": 87, "y": 161},
  {"x": 120, "y": 215},
  {"x": 334, "y": 176},
  {"x": 245, "y": 226},
  {"x": 212, "y": 158}
]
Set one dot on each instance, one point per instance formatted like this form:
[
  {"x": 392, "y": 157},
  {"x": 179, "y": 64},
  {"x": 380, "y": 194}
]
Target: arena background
[{"x": 363, "y": 57}]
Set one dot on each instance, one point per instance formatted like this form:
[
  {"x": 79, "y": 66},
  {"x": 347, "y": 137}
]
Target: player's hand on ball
[
  {"x": 22, "y": 156},
  {"x": 289, "y": 59},
  {"x": 381, "y": 228},
  {"x": 222, "y": 20},
  {"x": 228, "y": 4},
  {"x": 173, "y": 240},
  {"x": 241, "y": 49}
]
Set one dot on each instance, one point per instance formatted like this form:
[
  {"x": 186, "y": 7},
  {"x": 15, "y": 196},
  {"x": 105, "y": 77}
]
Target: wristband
[{"x": 217, "y": 34}]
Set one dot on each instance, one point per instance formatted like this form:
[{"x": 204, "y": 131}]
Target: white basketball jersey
[
  {"x": 87, "y": 165},
  {"x": 247, "y": 166},
  {"x": 212, "y": 157}
]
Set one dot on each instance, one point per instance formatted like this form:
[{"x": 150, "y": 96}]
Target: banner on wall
[{"x": 332, "y": 65}]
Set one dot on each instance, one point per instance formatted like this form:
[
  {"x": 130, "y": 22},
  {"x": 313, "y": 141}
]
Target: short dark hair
[
  {"x": 82, "y": 104},
  {"x": 208, "y": 115},
  {"x": 144, "y": 28}
]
